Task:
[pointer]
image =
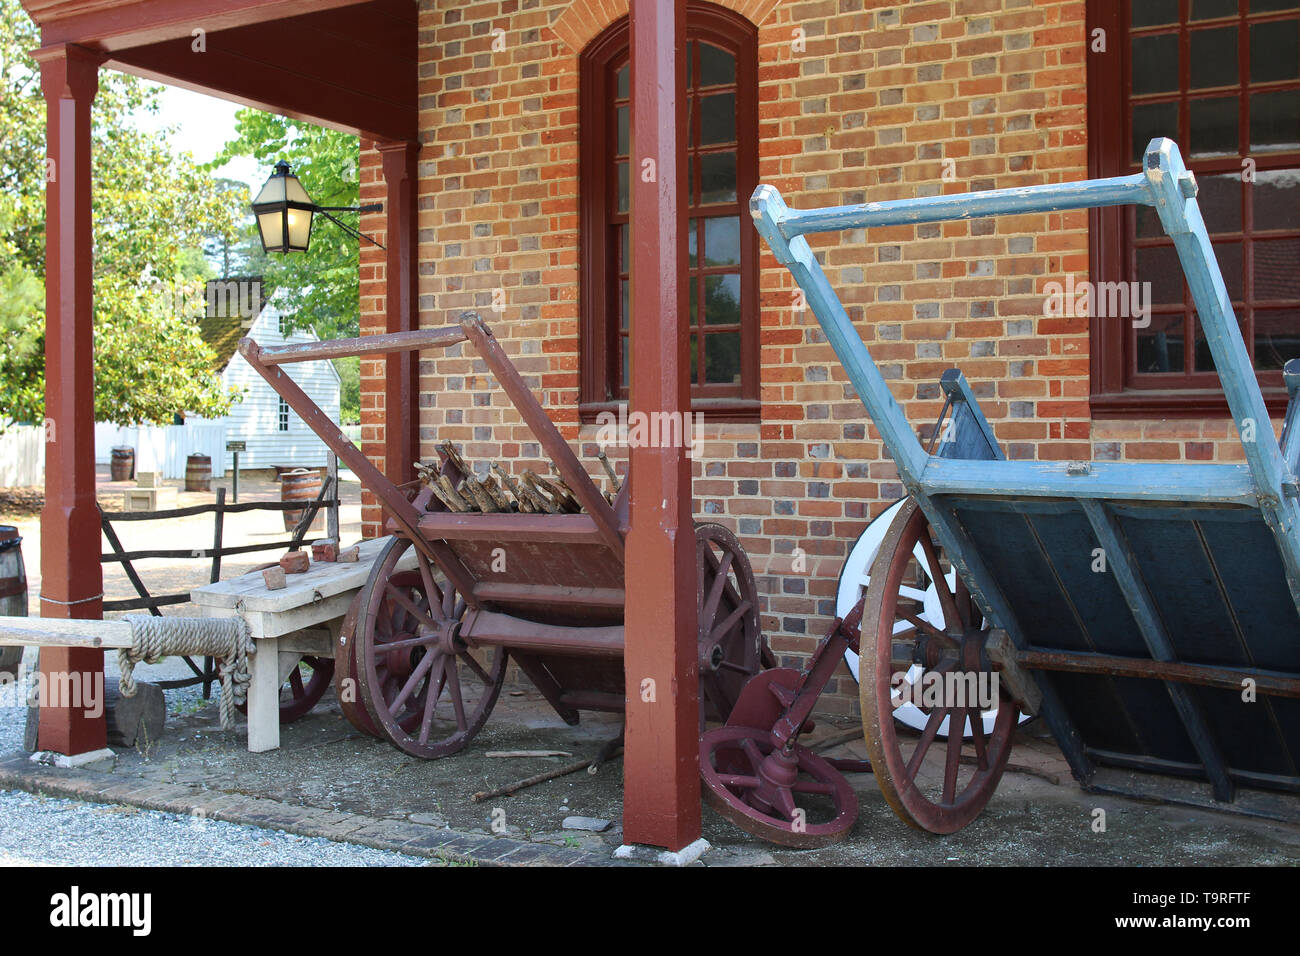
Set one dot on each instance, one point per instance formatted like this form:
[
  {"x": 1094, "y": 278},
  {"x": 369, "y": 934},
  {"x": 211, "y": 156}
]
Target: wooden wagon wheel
[
  {"x": 939, "y": 793},
  {"x": 299, "y": 696},
  {"x": 731, "y": 647},
  {"x": 346, "y": 687},
  {"x": 427, "y": 690}
]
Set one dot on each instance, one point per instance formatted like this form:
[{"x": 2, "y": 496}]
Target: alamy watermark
[
  {"x": 70, "y": 690},
  {"x": 1099, "y": 300},
  {"x": 949, "y": 689},
  {"x": 651, "y": 430}
]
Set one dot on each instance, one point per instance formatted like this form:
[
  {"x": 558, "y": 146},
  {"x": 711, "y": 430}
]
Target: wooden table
[{"x": 303, "y": 618}]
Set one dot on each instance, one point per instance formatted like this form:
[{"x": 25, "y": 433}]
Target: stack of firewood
[{"x": 499, "y": 492}]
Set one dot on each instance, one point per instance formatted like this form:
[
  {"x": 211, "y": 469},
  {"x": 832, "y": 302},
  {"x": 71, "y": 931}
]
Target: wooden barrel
[
  {"x": 301, "y": 484},
  {"x": 198, "y": 473},
  {"x": 13, "y": 591},
  {"x": 122, "y": 464}
]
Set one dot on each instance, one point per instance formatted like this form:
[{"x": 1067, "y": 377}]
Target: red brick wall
[{"x": 859, "y": 101}]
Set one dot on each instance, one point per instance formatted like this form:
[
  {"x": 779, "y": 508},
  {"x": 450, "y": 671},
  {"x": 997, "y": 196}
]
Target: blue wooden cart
[{"x": 1148, "y": 612}]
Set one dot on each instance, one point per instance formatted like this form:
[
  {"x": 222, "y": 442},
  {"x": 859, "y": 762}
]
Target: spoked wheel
[
  {"x": 934, "y": 788},
  {"x": 427, "y": 690},
  {"x": 346, "y": 686},
  {"x": 730, "y": 640},
  {"x": 302, "y": 689},
  {"x": 792, "y": 797}
]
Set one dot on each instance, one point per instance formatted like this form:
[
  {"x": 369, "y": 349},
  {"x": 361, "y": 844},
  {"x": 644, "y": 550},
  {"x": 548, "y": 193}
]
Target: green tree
[
  {"x": 322, "y": 287},
  {"x": 152, "y": 209}
]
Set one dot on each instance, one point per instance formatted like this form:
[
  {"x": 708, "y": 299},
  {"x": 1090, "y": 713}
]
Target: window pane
[
  {"x": 624, "y": 135},
  {"x": 1155, "y": 64},
  {"x": 1277, "y": 338},
  {"x": 625, "y": 260},
  {"x": 1265, "y": 6},
  {"x": 692, "y": 241},
  {"x": 1275, "y": 269},
  {"x": 722, "y": 241},
  {"x": 1151, "y": 120},
  {"x": 1158, "y": 265},
  {"x": 626, "y": 342},
  {"x": 721, "y": 300},
  {"x": 625, "y": 81},
  {"x": 1229, "y": 256},
  {"x": 695, "y": 301},
  {"x": 722, "y": 358},
  {"x": 718, "y": 178},
  {"x": 717, "y": 66},
  {"x": 1214, "y": 57},
  {"x": 1214, "y": 126},
  {"x": 1274, "y": 52},
  {"x": 1220, "y": 201},
  {"x": 1276, "y": 197},
  {"x": 695, "y": 359},
  {"x": 1275, "y": 120},
  {"x": 1212, "y": 9},
  {"x": 623, "y": 204},
  {"x": 1160, "y": 345},
  {"x": 718, "y": 119},
  {"x": 1148, "y": 223},
  {"x": 625, "y": 316},
  {"x": 1150, "y": 13}
]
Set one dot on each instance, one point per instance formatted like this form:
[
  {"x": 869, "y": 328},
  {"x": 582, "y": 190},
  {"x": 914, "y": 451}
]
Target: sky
[{"x": 205, "y": 124}]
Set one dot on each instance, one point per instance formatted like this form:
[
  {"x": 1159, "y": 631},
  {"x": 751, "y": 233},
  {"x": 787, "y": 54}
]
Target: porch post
[
  {"x": 72, "y": 582},
  {"x": 661, "y": 794},
  {"x": 401, "y": 418}
]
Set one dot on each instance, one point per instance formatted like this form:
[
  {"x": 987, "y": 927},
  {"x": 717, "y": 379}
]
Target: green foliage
[
  {"x": 153, "y": 210},
  {"x": 323, "y": 285},
  {"x": 349, "y": 369}
]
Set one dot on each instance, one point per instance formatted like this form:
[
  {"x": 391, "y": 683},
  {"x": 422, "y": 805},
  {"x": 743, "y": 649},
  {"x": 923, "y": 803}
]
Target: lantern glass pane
[
  {"x": 294, "y": 191},
  {"x": 273, "y": 191},
  {"x": 299, "y": 228},
  {"x": 271, "y": 225}
]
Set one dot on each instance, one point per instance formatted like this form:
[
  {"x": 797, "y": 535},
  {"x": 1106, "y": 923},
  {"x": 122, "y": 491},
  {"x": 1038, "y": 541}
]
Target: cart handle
[{"x": 444, "y": 337}]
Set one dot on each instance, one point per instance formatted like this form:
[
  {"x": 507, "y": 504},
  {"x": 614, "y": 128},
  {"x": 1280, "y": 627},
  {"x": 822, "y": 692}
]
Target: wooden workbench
[{"x": 301, "y": 619}]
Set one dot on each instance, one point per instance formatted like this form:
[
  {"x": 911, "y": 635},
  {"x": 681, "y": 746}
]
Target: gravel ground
[{"x": 55, "y": 832}]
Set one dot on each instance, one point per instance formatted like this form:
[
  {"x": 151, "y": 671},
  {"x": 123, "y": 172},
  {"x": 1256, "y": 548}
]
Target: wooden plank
[
  {"x": 443, "y": 337},
  {"x": 542, "y": 529},
  {"x": 492, "y": 628},
  {"x": 64, "y": 632},
  {"x": 549, "y": 594}
]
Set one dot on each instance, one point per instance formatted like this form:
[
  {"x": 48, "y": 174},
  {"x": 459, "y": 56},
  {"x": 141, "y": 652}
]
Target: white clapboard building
[{"x": 272, "y": 433}]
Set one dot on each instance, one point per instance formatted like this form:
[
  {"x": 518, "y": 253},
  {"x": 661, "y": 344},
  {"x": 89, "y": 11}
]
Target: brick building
[{"x": 521, "y": 195}]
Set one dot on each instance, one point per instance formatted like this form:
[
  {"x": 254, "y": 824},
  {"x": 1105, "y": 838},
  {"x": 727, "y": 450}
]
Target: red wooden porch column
[
  {"x": 72, "y": 583},
  {"x": 661, "y": 794},
  {"x": 401, "y": 418}
]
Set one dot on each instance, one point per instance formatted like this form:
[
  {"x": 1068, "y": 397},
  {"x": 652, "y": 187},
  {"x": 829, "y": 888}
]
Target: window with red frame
[
  {"x": 1222, "y": 79},
  {"x": 722, "y": 171}
]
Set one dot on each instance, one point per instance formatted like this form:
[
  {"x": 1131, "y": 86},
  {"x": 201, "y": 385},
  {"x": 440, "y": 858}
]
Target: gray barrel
[{"x": 13, "y": 591}]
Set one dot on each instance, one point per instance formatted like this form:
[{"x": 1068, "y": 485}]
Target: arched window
[{"x": 722, "y": 171}]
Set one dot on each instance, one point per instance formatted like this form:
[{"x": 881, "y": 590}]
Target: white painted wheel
[{"x": 854, "y": 578}]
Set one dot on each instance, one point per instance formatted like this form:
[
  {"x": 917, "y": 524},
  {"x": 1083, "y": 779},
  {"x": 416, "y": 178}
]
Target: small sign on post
[{"x": 235, "y": 447}]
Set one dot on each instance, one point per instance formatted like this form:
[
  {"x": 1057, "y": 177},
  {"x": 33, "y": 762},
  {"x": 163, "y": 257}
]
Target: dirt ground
[{"x": 1038, "y": 816}]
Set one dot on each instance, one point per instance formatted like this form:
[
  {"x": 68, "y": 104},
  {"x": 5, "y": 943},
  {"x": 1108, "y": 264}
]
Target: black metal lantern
[{"x": 285, "y": 213}]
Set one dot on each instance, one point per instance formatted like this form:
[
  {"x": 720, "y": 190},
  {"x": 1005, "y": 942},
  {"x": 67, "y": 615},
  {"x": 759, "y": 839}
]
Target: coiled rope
[{"x": 153, "y": 638}]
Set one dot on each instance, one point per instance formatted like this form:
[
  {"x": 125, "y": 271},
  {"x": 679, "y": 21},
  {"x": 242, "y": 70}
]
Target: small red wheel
[
  {"x": 791, "y": 797},
  {"x": 301, "y": 690},
  {"x": 424, "y": 686},
  {"x": 931, "y": 788}
]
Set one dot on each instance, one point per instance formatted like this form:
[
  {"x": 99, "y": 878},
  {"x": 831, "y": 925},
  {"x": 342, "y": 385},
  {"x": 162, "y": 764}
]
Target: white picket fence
[
  {"x": 22, "y": 456},
  {"x": 164, "y": 448},
  {"x": 157, "y": 448}
]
